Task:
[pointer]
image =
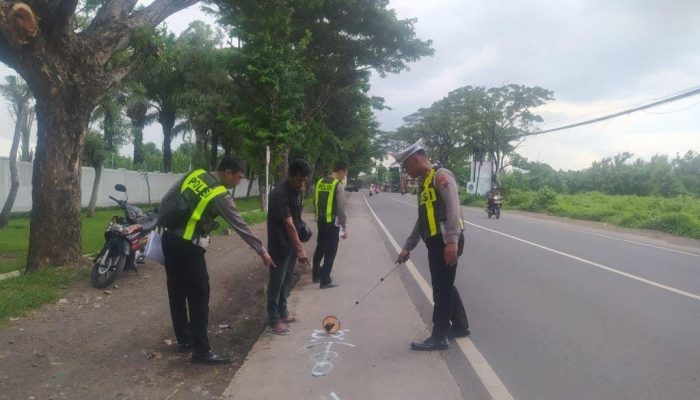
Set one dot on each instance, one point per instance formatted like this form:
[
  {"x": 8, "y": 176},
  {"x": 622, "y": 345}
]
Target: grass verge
[
  {"x": 30, "y": 291},
  {"x": 679, "y": 216}
]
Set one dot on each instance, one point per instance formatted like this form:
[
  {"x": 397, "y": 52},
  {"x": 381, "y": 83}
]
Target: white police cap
[{"x": 401, "y": 156}]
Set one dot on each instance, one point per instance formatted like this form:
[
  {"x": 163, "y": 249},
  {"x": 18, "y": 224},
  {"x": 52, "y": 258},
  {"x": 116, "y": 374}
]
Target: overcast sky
[{"x": 596, "y": 56}]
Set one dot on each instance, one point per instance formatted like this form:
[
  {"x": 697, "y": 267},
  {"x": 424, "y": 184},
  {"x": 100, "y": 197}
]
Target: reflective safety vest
[
  {"x": 199, "y": 188},
  {"x": 324, "y": 199},
  {"x": 431, "y": 208}
]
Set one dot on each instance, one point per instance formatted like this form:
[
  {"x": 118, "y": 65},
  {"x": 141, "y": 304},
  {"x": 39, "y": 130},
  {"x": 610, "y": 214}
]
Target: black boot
[
  {"x": 431, "y": 344},
  {"x": 210, "y": 358},
  {"x": 457, "y": 332}
]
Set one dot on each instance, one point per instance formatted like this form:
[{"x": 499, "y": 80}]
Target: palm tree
[{"x": 16, "y": 91}]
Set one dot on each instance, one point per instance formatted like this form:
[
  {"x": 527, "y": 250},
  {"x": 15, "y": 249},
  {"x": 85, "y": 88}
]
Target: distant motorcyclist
[
  {"x": 494, "y": 199},
  {"x": 492, "y": 194}
]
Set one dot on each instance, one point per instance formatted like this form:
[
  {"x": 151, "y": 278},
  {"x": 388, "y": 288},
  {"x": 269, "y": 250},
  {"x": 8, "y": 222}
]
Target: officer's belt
[{"x": 180, "y": 232}]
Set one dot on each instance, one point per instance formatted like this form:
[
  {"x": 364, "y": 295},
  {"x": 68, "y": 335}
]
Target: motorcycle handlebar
[{"x": 112, "y": 198}]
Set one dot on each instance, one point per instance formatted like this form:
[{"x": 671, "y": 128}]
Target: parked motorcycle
[
  {"x": 125, "y": 240},
  {"x": 494, "y": 206}
]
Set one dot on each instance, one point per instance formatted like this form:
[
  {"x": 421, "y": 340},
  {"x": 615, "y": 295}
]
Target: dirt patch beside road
[{"x": 119, "y": 344}]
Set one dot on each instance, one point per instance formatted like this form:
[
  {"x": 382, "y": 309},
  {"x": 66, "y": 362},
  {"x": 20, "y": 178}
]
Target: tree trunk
[
  {"x": 148, "y": 186},
  {"x": 14, "y": 179},
  {"x": 167, "y": 121},
  {"x": 95, "y": 190},
  {"x": 478, "y": 178},
  {"x": 214, "y": 151},
  {"x": 138, "y": 145},
  {"x": 262, "y": 196},
  {"x": 26, "y": 134},
  {"x": 137, "y": 113},
  {"x": 286, "y": 161},
  {"x": 54, "y": 234},
  {"x": 250, "y": 186}
]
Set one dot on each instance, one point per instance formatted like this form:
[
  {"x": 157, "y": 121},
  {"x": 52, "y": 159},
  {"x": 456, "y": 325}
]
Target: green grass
[
  {"x": 248, "y": 204},
  {"x": 12, "y": 261},
  {"x": 28, "y": 292},
  {"x": 255, "y": 217},
  {"x": 678, "y": 215}
]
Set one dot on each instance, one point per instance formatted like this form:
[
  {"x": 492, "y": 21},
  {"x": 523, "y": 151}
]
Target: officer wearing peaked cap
[{"x": 441, "y": 227}]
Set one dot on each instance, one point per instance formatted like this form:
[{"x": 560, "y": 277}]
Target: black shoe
[
  {"x": 185, "y": 347},
  {"x": 211, "y": 358},
  {"x": 329, "y": 285},
  {"x": 430, "y": 344},
  {"x": 457, "y": 333}
]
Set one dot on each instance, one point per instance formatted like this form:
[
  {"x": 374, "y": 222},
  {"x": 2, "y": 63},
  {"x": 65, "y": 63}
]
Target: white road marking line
[
  {"x": 593, "y": 263},
  {"x": 583, "y": 260},
  {"x": 530, "y": 220},
  {"x": 669, "y": 249},
  {"x": 491, "y": 381}
]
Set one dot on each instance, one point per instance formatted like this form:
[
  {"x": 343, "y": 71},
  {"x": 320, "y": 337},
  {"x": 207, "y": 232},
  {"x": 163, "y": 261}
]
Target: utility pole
[{"x": 267, "y": 176}]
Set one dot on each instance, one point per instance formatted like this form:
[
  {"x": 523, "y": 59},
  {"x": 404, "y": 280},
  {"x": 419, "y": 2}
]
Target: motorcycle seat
[{"x": 147, "y": 224}]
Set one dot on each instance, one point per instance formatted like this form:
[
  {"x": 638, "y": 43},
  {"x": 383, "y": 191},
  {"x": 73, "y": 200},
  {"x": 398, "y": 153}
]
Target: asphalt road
[{"x": 566, "y": 310}]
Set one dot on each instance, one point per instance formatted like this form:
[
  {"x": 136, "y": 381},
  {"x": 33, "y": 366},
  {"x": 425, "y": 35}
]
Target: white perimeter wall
[{"x": 133, "y": 180}]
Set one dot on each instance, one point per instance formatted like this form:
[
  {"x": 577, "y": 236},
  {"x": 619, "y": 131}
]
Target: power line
[{"x": 691, "y": 92}]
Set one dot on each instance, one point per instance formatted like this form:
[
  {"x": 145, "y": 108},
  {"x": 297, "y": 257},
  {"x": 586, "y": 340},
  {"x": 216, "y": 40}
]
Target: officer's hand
[
  {"x": 302, "y": 257},
  {"x": 267, "y": 260},
  {"x": 344, "y": 234},
  {"x": 403, "y": 256},
  {"x": 451, "y": 254}
]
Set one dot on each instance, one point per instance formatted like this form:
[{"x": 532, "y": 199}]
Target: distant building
[{"x": 481, "y": 177}]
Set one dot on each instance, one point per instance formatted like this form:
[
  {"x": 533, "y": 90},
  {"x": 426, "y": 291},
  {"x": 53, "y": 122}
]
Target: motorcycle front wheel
[
  {"x": 107, "y": 267},
  {"x": 498, "y": 212}
]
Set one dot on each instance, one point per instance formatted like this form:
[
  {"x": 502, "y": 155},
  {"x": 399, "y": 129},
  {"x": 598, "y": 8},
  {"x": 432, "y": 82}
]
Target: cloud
[{"x": 597, "y": 56}]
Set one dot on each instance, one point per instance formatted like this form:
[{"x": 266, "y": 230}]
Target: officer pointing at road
[
  {"x": 440, "y": 226},
  {"x": 187, "y": 215}
]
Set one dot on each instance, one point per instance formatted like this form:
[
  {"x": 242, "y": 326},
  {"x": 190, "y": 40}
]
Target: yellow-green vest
[
  {"x": 431, "y": 208},
  {"x": 324, "y": 199},
  {"x": 199, "y": 188}
]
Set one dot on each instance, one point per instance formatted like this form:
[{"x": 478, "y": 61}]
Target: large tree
[
  {"x": 504, "y": 116},
  {"x": 68, "y": 67},
  {"x": 164, "y": 83},
  {"x": 300, "y": 58}
]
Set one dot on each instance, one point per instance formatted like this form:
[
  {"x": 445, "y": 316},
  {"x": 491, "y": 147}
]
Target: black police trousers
[
  {"x": 326, "y": 249},
  {"x": 448, "y": 309},
  {"x": 188, "y": 289}
]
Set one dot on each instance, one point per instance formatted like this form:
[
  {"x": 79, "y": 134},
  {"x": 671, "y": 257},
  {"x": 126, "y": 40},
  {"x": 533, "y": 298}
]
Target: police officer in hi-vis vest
[
  {"x": 187, "y": 213},
  {"x": 329, "y": 205},
  {"x": 441, "y": 227}
]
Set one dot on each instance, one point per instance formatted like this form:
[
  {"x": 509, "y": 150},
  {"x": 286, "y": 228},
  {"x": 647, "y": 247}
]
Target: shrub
[
  {"x": 544, "y": 199},
  {"x": 467, "y": 198},
  {"x": 519, "y": 199}
]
